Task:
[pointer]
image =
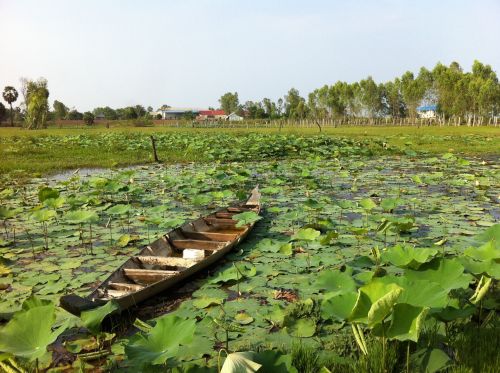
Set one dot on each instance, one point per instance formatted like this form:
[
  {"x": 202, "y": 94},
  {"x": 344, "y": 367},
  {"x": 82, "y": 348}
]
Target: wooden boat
[{"x": 170, "y": 259}]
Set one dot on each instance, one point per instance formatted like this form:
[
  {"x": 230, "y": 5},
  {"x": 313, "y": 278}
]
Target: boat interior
[{"x": 175, "y": 252}]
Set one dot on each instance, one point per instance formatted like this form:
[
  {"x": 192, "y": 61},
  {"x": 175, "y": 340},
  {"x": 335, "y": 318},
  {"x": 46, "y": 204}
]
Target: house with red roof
[{"x": 211, "y": 115}]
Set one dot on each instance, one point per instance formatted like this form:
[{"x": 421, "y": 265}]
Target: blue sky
[{"x": 188, "y": 53}]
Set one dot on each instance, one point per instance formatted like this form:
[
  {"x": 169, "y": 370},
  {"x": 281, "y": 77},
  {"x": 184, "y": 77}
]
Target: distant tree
[
  {"x": 10, "y": 95},
  {"x": 150, "y": 109},
  {"x": 88, "y": 118},
  {"x": 60, "y": 110},
  {"x": 3, "y": 112},
  {"x": 139, "y": 111},
  {"x": 295, "y": 105},
  {"x": 159, "y": 116},
  {"x": 414, "y": 89},
  {"x": 37, "y": 104},
  {"x": 75, "y": 115},
  {"x": 229, "y": 102}
]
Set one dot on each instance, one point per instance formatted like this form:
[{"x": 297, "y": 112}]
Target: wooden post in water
[{"x": 153, "y": 142}]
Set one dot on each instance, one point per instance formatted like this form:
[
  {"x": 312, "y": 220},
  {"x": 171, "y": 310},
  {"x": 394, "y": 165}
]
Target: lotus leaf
[
  {"x": 406, "y": 322},
  {"x": 448, "y": 273},
  {"x": 161, "y": 343},
  {"x": 246, "y": 218},
  {"x": 29, "y": 332},
  {"x": 240, "y": 362},
  {"x": 375, "y": 301},
  {"x": 306, "y": 234},
  {"x": 92, "y": 319},
  {"x": 406, "y": 256},
  {"x": 335, "y": 282}
]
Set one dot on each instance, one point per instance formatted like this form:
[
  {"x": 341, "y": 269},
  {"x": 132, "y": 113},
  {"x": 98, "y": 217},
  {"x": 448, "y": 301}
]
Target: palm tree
[{"x": 10, "y": 95}]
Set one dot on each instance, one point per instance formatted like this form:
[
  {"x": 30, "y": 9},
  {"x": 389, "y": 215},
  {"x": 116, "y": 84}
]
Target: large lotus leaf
[
  {"x": 479, "y": 267},
  {"x": 488, "y": 251},
  {"x": 234, "y": 273},
  {"x": 389, "y": 204},
  {"x": 7, "y": 213},
  {"x": 162, "y": 342},
  {"x": 276, "y": 316},
  {"x": 43, "y": 215},
  {"x": 29, "y": 332},
  {"x": 419, "y": 293},
  {"x": 430, "y": 360},
  {"x": 406, "y": 322},
  {"x": 240, "y": 362},
  {"x": 46, "y": 193},
  {"x": 450, "y": 313},
  {"x": 405, "y": 256},
  {"x": 269, "y": 245},
  {"x": 204, "y": 302},
  {"x": 367, "y": 204},
  {"x": 81, "y": 217},
  {"x": 338, "y": 307},
  {"x": 55, "y": 203},
  {"x": 306, "y": 234},
  {"x": 335, "y": 282},
  {"x": 92, "y": 319},
  {"x": 300, "y": 327},
  {"x": 375, "y": 301},
  {"x": 492, "y": 233},
  {"x": 448, "y": 273},
  {"x": 118, "y": 210},
  {"x": 274, "y": 362},
  {"x": 246, "y": 218}
]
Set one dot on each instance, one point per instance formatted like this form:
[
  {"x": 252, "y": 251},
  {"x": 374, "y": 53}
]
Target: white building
[
  {"x": 427, "y": 111},
  {"x": 233, "y": 117}
]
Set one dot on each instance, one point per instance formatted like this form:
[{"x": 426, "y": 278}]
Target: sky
[{"x": 188, "y": 53}]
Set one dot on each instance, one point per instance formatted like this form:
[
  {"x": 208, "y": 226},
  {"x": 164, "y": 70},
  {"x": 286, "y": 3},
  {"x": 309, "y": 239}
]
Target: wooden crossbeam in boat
[
  {"x": 198, "y": 244},
  {"x": 218, "y": 221},
  {"x": 224, "y": 215},
  {"x": 124, "y": 286},
  {"x": 147, "y": 276},
  {"x": 167, "y": 261},
  {"x": 213, "y": 236}
]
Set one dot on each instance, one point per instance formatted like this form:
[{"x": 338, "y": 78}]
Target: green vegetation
[
  {"x": 359, "y": 264},
  {"x": 25, "y": 152}
]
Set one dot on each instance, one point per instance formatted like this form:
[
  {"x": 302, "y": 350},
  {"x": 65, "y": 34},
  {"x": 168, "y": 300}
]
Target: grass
[{"x": 468, "y": 141}]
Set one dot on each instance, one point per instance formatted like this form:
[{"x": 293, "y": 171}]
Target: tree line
[
  {"x": 458, "y": 95},
  {"x": 465, "y": 96}
]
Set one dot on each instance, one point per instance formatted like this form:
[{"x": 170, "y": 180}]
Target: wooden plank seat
[
  {"x": 110, "y": 294},
  {"x": 218, "y": 221},
  {"x": 209, "y": 236},
  {"x": 147, "y": 276},
  {"x": 225, "y": 215},
  {"x": 198, "y": 244},
  {"x": 167, "y": 261}
]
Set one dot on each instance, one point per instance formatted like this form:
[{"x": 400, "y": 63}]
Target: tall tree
[
  {"x": 229, "y": 102},
  {"x": 370, "y": 96},
  {"x": 60, "y": 110},
  {"x": 3, "y": 111},
  {"x": 37, "y": 104},
  {"x": 295, "y": 105},
  {"x": 10, "y": 95}
]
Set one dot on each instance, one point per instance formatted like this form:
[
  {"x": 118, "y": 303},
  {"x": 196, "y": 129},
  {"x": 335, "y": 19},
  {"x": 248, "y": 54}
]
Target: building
[
  {"x": 212, "y": 115},
  {"x": 427, "y": 111},
  {"x": 168, "y": 112},
  {"x": 233, "y": 117}
]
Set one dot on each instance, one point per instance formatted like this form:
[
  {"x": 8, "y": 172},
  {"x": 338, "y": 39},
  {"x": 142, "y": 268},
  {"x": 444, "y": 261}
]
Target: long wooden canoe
[{"x": 170, "y": 259}]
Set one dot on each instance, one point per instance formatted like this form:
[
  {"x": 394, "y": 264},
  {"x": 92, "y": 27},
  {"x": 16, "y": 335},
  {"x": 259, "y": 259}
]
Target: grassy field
[{"x": 21, "y": 150}]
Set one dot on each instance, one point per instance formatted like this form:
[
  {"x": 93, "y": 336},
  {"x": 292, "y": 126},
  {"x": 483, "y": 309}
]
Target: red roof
[{"x": 210, "y": 113}]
